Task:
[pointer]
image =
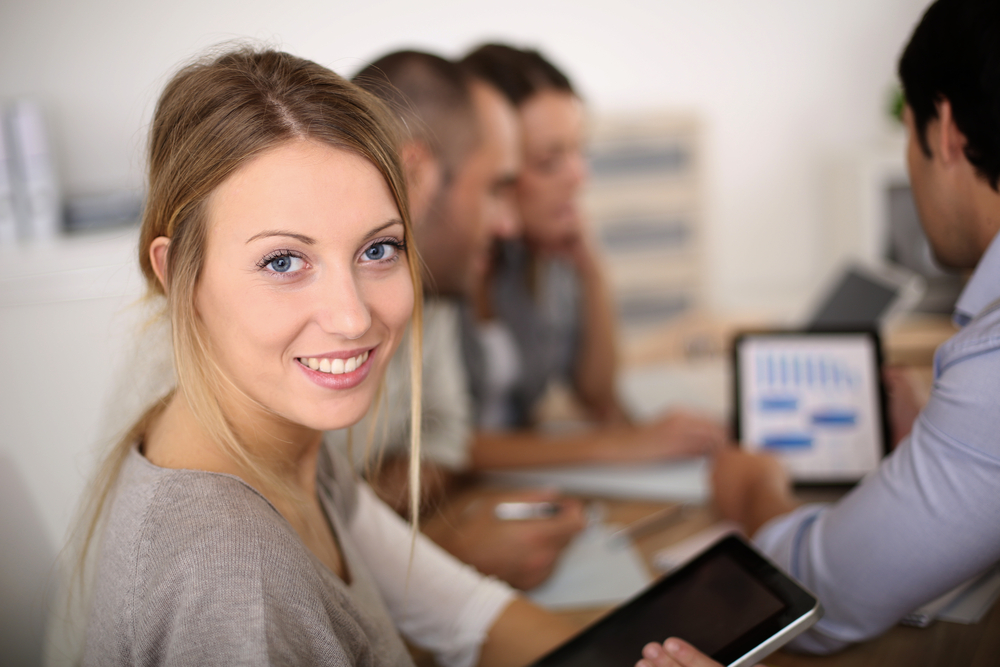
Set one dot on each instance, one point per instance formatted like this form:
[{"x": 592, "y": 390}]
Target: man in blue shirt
[{"x": 929, "y": 517}]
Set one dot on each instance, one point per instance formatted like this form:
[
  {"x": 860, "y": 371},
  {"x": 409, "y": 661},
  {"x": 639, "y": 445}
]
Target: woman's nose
[{"x": 341, "y": 308}]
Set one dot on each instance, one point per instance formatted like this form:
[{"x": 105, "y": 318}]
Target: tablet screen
[
  {"x": 727, "y": 602},
  {"x": 814, "y": 399}
]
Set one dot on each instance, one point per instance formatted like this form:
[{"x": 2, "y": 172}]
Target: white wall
[{"x": 781, "y": 84}]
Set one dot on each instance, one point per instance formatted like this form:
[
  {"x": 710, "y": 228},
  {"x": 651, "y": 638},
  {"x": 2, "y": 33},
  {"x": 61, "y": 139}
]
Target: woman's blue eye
[
  {"x": 380, "y": 251},
  {"x": 284, "y": 264}
]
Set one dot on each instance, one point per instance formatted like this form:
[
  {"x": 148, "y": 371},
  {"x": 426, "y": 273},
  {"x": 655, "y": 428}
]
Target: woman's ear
[{"x": 158, "y": 259}]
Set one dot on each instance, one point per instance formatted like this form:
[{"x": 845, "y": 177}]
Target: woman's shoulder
[
  {"x": 186, "y": 528},
  {"x": 187, "y": 505},
  {"x": 190, "y": 557}
]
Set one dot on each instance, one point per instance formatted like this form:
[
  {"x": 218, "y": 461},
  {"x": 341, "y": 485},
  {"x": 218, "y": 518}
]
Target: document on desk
[
  {"x": 685, "y": 481},
  {"x": 594, "y": 571},
  {"x": 703, "y": 386},
  {"x": 967, "y": 603}
]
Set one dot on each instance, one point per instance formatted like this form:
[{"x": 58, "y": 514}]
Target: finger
[
  {"x": 558, "y": 532},
  {"x": 687, "y": 655},
  {"x": 707, "y": 437},
  {"x": 653, "y": 655},
  {"x": 573, "y": 513}
]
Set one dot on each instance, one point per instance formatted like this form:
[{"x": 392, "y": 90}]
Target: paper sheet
[
  {"x": 594, "y": 571},
  {"x": 966, "y": 603},
  {"x": 705, "y": 386},
  {"x": 975, "y": 601}
]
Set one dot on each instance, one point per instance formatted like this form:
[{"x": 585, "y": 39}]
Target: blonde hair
[{"x": 213, "y": 117}]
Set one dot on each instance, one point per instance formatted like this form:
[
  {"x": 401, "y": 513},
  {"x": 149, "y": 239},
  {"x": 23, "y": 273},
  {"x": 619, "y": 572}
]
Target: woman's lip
[
  {"x": 340, "y": 380},
  {"x": 339, "y": 354}
]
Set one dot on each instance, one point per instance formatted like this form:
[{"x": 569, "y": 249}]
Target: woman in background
[
  {"x": 277, "y": 232},
  {"x": 546, "y": 312}
]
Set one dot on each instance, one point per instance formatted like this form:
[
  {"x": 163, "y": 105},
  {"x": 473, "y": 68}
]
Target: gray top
[
  {"x": 540, "y": 303},
  {"x": 197, "y": 568}
]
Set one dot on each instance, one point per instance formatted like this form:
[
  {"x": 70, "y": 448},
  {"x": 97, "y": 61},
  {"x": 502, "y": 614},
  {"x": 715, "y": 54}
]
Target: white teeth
[{"x": 334, "y": 366}]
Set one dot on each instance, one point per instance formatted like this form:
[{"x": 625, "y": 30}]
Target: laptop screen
[{"x": 857, "y": 301}]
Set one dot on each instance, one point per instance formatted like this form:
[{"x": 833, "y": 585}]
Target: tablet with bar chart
[{"x": 815, "y": 399}]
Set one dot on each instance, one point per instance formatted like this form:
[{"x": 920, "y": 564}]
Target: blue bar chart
[{"x": 812, "y": 400}]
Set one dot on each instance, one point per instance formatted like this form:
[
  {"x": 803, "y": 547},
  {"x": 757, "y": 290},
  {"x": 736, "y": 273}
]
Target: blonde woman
[{"x": 277, "y": 232}]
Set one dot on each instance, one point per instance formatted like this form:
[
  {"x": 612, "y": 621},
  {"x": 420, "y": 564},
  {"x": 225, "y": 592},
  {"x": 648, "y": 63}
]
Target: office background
[{"x": 782, "y": 88}]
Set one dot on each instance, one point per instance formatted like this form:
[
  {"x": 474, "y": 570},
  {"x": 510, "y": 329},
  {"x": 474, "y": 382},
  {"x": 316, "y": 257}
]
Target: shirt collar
[{"x": 983, "y": 287}]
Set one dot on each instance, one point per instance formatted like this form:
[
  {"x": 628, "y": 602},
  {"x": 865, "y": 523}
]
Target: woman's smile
[
  {"x": 306, "y": 289},
  {"x": 337, "y": 370}
]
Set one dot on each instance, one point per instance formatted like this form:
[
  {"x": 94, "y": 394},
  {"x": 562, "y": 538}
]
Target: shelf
[{"x": 94, "y": 265}]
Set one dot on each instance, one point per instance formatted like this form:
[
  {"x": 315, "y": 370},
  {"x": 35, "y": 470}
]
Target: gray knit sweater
[{"x": 197, "y": 568}]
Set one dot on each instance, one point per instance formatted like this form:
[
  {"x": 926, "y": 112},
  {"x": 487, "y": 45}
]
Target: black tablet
[
  {"x": 815, "y": 399},
  {"x": 730, "y": 602}
]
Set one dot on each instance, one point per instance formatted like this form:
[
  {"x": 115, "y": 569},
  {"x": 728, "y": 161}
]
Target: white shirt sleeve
[{"x": 436, "y": 602}]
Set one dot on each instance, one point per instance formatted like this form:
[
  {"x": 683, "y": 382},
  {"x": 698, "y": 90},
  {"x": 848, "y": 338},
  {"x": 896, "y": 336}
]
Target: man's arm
[
  {"x": 923, "y": 523},
  {"x": 676, "y": 435}
]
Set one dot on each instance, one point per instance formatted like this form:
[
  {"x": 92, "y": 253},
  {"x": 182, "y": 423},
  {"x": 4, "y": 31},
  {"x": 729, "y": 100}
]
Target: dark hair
[
  {"x": 518, "y": 73},
  {"x": 954, "y": 54},
  {"x": 433, "y": 98}
]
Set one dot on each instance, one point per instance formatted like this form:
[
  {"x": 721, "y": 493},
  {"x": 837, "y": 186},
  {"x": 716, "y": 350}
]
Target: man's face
[
  {"x": 478, "y": 204},
  {"x": 938, "y": 193}
]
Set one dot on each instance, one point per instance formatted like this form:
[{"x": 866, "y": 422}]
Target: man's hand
[
  {"x": 522, "y": 553},
  {"x": 750, "y": 489},
  {"x": 678, "y": 434}
]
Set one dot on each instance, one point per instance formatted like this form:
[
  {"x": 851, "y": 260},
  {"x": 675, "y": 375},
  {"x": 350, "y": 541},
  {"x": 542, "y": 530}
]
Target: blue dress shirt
[{"x": 929, "y": 517}]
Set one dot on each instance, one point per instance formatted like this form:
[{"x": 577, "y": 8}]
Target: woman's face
[
  {"x": 305, "y": 289},
  {"x": 554, "y": 170}
]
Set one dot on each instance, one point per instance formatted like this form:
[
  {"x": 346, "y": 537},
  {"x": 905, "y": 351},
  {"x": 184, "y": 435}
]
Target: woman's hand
[
  {"x": 678, "y": 434},
  {"x": 674, "y": 653}
]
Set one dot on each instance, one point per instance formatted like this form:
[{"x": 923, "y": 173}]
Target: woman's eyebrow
[
  {"x": 308, "y": 240},
  {"x": 394, "y": 221}
]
